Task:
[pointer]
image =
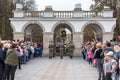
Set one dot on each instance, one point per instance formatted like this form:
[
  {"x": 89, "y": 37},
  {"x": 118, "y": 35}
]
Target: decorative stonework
[
  {"x": 77, "y": 7},
  {"x": 93, "y": 22},
  {"x": 19, "y": 7},
  {"x": 62, "y": 22},
  {"x": 106, "y": 8},
  {"x": 49, "y": 19},
  {"x": 33, "y": 22}
]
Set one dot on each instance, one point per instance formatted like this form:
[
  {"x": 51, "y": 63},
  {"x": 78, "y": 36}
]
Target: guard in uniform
[
  {"x": 61, "y": 50},
  {"x": 51, "y": 49},
  {"x": 71, "y": 49}
]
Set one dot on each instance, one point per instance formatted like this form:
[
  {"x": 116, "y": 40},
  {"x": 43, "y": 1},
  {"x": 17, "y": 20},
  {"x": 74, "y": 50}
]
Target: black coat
[{"x": 1, "y": 55}]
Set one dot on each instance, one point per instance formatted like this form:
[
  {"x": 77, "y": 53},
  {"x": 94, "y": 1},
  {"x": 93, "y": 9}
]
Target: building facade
[{"x": 49, "y": 21}]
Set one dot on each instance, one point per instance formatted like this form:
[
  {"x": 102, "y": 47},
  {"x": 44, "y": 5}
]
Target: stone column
[
  {"x": 107, "y": 36},
  {"x": 18, "y": 35},
  {"x": 77, "y": 40},
  {"x": 47, "y": 36}
]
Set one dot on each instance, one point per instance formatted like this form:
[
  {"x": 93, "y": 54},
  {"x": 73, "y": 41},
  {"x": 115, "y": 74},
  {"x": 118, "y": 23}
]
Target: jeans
[
  {"x": 99, "y": 65},
  {"x": 32, "y": 55},
  {"x": 27, "y": 57}
]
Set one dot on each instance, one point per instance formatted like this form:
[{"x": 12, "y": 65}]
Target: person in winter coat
[{"x": 11, "y": 63}]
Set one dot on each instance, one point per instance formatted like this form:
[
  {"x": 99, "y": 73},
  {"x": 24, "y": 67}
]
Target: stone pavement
[{"x": 56, "y": 69}]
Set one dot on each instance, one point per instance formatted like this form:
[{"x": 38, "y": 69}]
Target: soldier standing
[
  {"x": 61, "y": 50},
  {"x": 51, "y": 49},
  {"x": 71, "y": 49}
]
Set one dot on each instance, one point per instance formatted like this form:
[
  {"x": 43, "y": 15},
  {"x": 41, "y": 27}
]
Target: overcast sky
[{"x": 63, "y": 4}]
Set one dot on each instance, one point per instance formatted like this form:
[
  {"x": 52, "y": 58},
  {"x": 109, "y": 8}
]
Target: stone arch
[
  {"x": 96, "y": 28},
  {"x": 62, "y": 22},
  {"x": 113, "y": 28},
  {"x": 93, "y": 22},
  {"x": 33, "y": 22},
  {"x": 13, "y": 27}
]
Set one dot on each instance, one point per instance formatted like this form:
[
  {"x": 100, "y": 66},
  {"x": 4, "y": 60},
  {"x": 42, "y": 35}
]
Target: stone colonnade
[
  {"x": 48, "y": 18},
  {"x": 77, "y": 40}
]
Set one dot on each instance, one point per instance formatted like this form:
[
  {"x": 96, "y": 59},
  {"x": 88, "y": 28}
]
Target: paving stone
[{"x": 56, "y": 69}]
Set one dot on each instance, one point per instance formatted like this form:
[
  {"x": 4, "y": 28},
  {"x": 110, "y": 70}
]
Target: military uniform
[
  {"x": 71, "y": 49},
  {"x": 61, "y": 50},
  {"x": 51, "y": 50}
]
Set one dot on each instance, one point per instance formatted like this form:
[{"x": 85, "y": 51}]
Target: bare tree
[{"x": 27, "y": 4}]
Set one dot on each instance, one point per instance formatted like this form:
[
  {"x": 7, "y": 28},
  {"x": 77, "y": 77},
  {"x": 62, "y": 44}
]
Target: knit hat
[{"x": 110, "y": 53}]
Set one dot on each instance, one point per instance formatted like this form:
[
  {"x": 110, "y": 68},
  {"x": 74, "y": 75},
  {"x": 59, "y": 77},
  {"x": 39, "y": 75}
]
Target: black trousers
[
  {"x": 83, "y": 55},
  {"x": 108, "y": 77},
  {"x": 1, "y": 70},
  {"x": 9, "y": 72},
  {"x": 90, "y": 60},
  {"x": 19, "y": 62}
]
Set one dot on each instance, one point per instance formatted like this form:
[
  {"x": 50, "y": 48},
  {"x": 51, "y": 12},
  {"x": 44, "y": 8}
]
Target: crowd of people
[
  {"x": 104, "y": 56},
  {"x": 13, "y": 54}
]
